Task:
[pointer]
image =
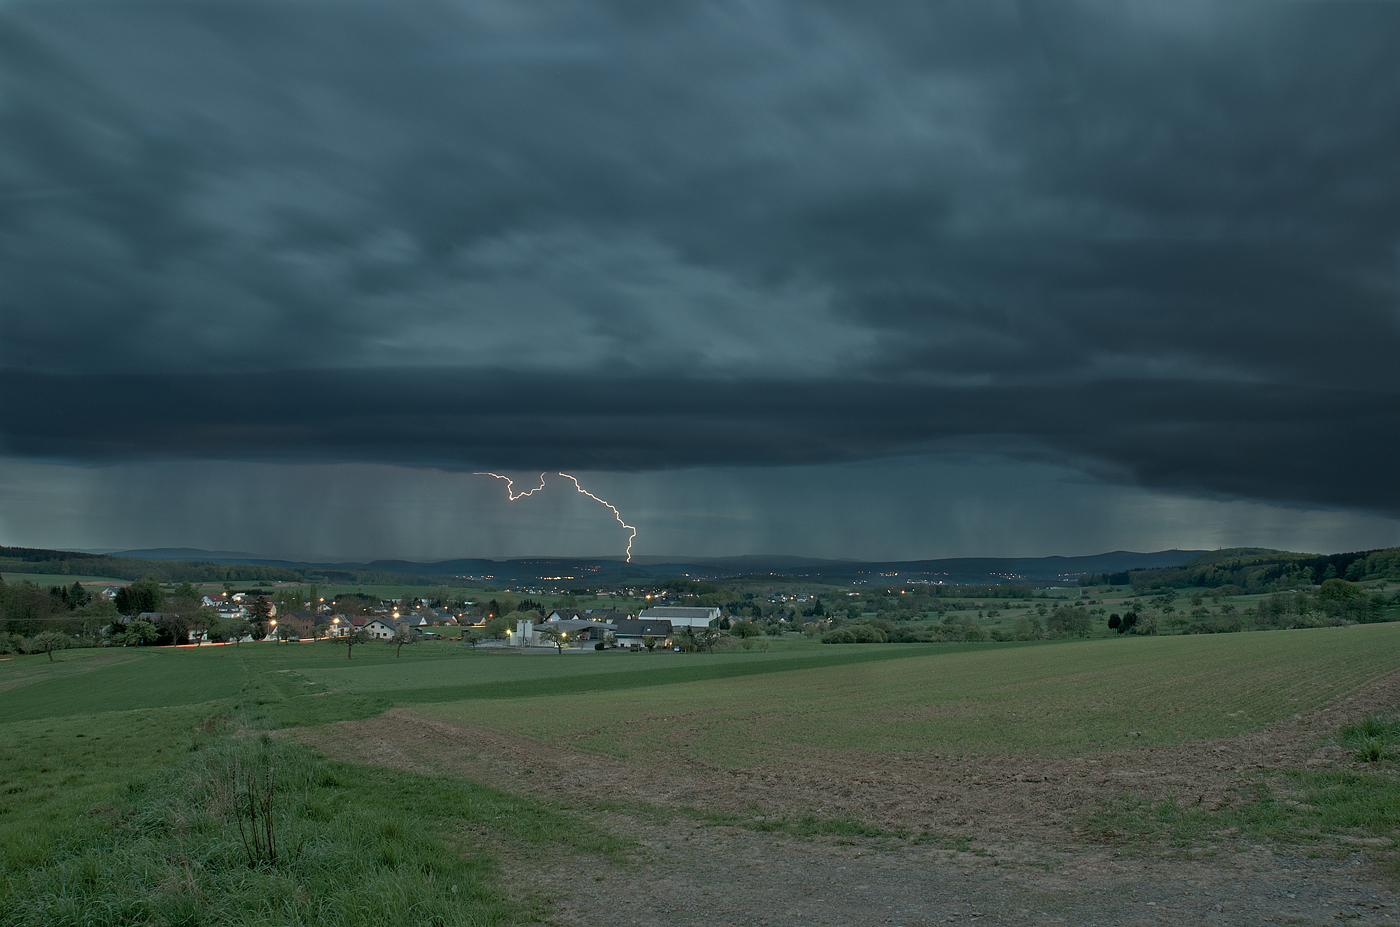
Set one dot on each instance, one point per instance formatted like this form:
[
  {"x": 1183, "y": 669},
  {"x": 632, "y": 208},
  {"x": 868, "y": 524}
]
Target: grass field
[
  {"x": 108, "y": 757},
  {"x": 1073, "y": 697},
  {"x": 62, "y": 579}
]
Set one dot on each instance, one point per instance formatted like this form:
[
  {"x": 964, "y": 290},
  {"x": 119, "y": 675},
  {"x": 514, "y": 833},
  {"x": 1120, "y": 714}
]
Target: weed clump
[{"x": 1373, "y": 738}]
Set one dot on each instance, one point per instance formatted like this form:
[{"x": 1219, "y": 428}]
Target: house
[
  {"x": 682, "y": 616},
  {"x": 302, "y": 623},
  {"x": 577, "y": 629},
  {"x": 156, "y": 617},
  {"x": 635, "y": 631},
  {"x": 379, "y": 629},
  {"x": 608, "y": 614}
]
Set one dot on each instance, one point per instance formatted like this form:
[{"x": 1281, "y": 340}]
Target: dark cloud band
[{"x": 1297, "y": 445}]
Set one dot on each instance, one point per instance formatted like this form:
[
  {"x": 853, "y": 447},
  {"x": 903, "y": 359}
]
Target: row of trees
[{"x": 1250, "y": 570}]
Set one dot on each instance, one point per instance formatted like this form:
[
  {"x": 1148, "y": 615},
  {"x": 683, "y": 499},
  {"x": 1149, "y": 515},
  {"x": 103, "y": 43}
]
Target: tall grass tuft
[{"x": 1373, "y": 738}]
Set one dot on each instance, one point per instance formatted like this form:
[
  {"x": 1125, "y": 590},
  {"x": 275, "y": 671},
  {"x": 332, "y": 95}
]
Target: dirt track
[{"x": 1031, "y": 860}]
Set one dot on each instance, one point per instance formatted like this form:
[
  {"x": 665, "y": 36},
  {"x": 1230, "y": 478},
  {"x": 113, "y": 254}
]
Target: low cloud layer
[{"x": 1157, "y": 244}]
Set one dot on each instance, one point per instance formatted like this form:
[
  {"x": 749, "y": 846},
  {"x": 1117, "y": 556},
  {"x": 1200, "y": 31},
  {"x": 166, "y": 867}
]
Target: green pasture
[
  {"x": 111, "y": 759},
  {"x": 63, "y": 579},
  {"x": 124, "y": 771},
  {"x": 1064, "y": 698}
]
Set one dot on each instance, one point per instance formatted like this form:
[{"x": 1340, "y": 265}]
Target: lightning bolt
[
  {"x": 616, "y": 513},
  {"x": 510, "y": 483}
]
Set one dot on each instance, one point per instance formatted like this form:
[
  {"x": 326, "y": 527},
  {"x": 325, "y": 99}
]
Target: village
[{"x": 239, "y": 617}]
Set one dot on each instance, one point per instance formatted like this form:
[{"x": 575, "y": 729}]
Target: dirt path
[{"x": 1005, "y": 844}]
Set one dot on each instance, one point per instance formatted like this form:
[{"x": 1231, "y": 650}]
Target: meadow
[
  {"x": 120, "y": 768},
  {"x": 1049, "y": 699}
]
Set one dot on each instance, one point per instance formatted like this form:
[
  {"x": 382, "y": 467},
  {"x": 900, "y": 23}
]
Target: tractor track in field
[{"x": 1007, "y": 839}]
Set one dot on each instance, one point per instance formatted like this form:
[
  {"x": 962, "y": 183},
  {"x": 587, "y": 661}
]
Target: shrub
[
  {"x": 839, "y": 636},
  {"x": 868, "y": 634}
]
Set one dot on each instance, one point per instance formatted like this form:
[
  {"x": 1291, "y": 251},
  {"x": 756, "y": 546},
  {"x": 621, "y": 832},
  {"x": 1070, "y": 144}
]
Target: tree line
[{"x": 1252, "y": 570}]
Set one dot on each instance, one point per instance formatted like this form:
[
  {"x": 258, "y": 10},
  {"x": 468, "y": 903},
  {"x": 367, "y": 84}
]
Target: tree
[
  {"x": 1339, "y": 590},
  {"x": 1071, "y": 620},
  {"x": 356, "y": 636},
  {"x": 75, "y": 596},
  {"x": 47, "y": 642},
  {"x": 262, "y": 614},
  {"x": 512, "y": 619},
  {"x": 556, "y": 636},
  {"x": 705, "y": 638},
  {"x": 143, "y": 596},
  {"x": 173, "y": 628},
  {"x": 403, "y": 634},
  {"x": 200, "y": 622},
  {"x": 140, "y": 634}
]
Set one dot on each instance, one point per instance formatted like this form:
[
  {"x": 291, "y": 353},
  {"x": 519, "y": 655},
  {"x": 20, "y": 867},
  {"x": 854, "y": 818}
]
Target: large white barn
[{"x": 682, "y": 616}]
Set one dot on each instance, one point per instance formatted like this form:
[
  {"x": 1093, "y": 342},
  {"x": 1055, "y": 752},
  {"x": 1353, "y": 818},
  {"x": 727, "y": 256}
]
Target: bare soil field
[{"x": 996, "y": 840}]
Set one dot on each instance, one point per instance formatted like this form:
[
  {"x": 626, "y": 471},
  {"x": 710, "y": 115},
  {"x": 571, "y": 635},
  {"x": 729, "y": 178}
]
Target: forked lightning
[{"x": 510, "y": 491}]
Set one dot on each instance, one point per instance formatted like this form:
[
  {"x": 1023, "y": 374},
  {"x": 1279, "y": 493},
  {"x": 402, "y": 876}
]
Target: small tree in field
[
  {"x": 403, "y": 634},
  {"x": 47, "y": 642},
  {"x": 356, "y": 636}
]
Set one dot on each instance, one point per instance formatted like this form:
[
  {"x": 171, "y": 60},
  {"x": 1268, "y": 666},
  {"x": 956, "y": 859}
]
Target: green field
[
  {"x": 62, "y": 579},
  {"x": 108, "y": 756},
  {"x": 1057, "y": 699}
]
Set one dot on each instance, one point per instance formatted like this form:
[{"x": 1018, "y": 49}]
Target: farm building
[{"x": 681, "y": 616}]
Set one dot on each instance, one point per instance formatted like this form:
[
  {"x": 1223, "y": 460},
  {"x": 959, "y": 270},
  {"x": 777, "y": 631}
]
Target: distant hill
[
  {"x": 1254, "y": 569},
  {"x": 176, "y": 564}
]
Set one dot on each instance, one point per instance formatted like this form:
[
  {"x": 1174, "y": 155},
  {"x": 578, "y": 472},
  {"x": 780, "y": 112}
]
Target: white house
[
  {"x": 379, "y": 629},
  {"x": 634, "y": 632}
]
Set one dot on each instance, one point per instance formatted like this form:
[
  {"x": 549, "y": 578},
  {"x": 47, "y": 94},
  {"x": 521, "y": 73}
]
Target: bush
[
  {"x": 838, "y": 636},
  {"x": 868, "y": 634}
]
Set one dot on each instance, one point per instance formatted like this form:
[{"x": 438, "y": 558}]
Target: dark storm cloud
[
  {"x": 1284, "y": 443},
  {"x": 1159, "y": 241}
]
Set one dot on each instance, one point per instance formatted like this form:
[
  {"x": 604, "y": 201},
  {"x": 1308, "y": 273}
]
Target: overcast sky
[{"x": 942, "y": 279}]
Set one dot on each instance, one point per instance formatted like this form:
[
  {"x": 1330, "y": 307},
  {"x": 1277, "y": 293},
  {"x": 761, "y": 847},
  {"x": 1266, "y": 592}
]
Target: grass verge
[{"x": 1356, "y": 806}]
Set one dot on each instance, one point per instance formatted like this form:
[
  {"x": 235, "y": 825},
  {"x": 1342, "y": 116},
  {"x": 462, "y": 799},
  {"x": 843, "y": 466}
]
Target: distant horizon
[{"x": 649, "y": 559}]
